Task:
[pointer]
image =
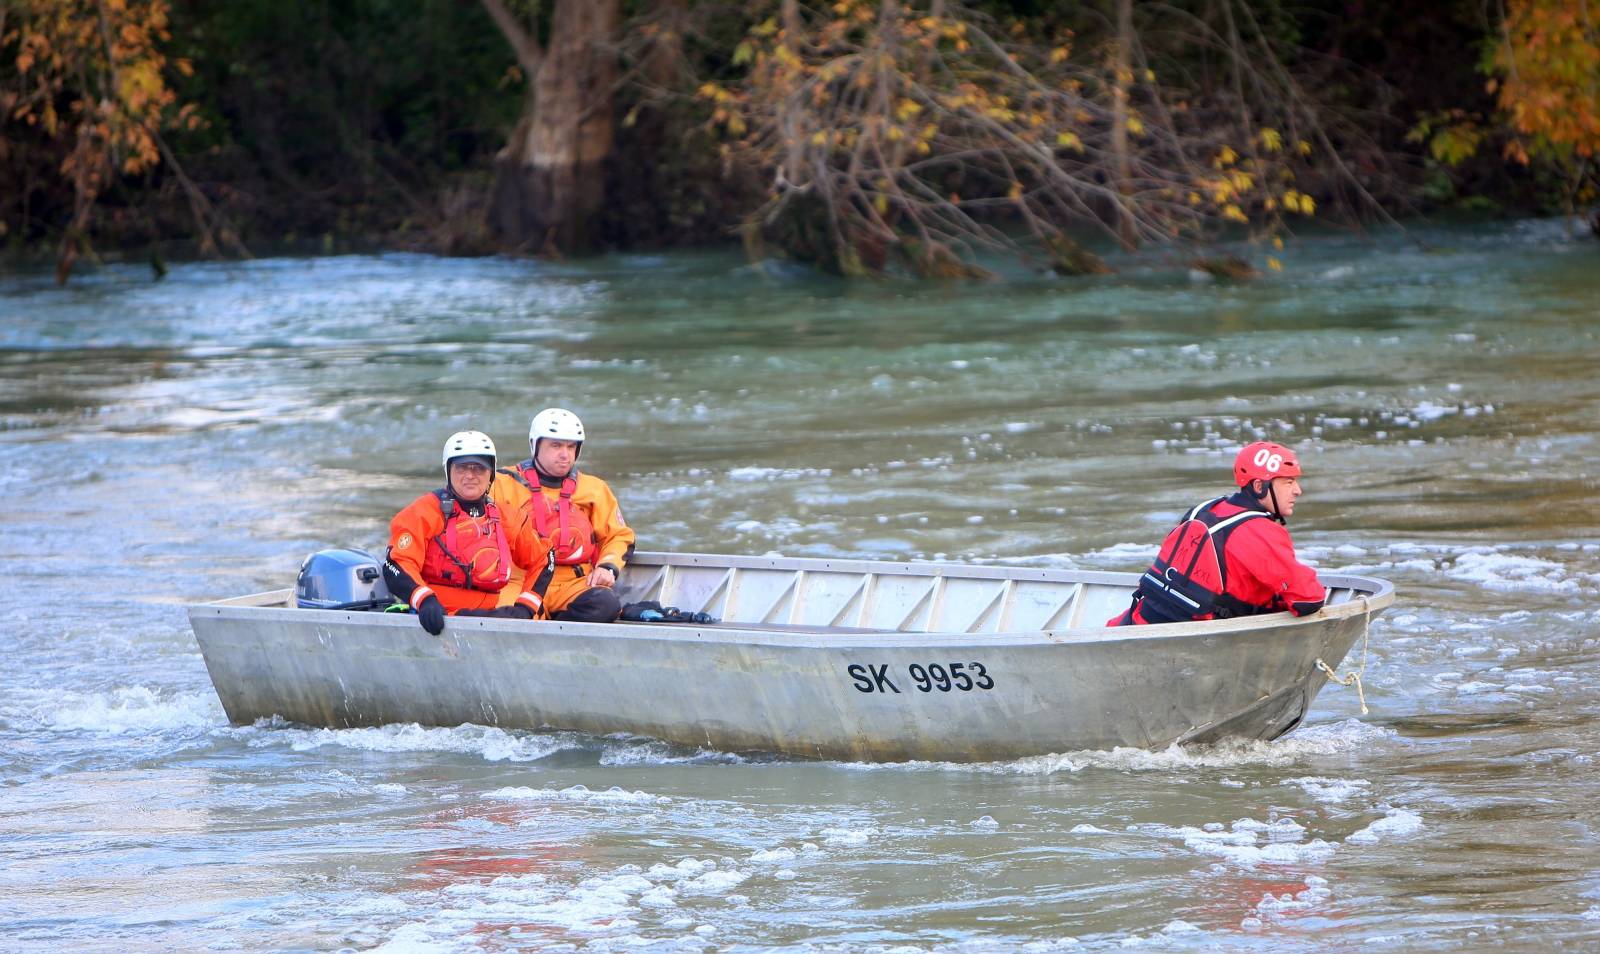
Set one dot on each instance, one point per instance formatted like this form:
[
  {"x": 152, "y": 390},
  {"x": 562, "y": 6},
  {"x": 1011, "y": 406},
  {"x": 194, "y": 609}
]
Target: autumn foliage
[
  {"x": 1549, "y": 61},
  {"x": 925, "y": 135},
  {"x": 89, "y": 86}
]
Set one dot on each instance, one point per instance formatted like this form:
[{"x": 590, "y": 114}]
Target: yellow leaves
[
  {"x": 1015, "y": 192},
  {"x": 1274, "y": 264},
  {"x": 881, "y": 203},
  {"x": 907, "y": 109},
  {"x": 1304, "y": 147},
  {"x": 717, "y": 94},
  {"x": 1135, "y": 125},
  {"x": 1271, "y": 140},
  {"x": 1059, "y": 54},
  {"x": 1233, "y": 213},
  {"x": 819, "y": 138},
  {"x": 1069, "y": 140},
  {"x": 1299, "y": 202},
  {"x": 1277, "y": 242},
  {"x": 744, "y": 53},
  {"x": 1226, "y": 157}
]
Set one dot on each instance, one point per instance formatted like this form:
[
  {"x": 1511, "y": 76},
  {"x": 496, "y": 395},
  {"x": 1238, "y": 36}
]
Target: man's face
[
  {"x": 469, "y": 479},
  {"x": 557, "y": 457},
  {"x": 1285, "y": 490}
]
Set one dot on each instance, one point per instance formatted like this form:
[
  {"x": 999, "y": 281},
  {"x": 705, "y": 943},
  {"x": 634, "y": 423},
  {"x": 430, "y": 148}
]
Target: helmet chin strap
[
  {"x": 1268, "y": 492},
  {"x": 1277, "y": 511}
]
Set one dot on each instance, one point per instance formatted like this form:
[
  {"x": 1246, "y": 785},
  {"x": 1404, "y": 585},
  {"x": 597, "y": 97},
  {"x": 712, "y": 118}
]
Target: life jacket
[
  {"x": 472, "y": 552},
  {"x": 564, "y": 526},
  {"x": 1189, "y": 579}
]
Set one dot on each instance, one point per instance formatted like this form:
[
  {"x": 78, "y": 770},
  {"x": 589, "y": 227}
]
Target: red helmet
[{"x": 1264, "y": 460}]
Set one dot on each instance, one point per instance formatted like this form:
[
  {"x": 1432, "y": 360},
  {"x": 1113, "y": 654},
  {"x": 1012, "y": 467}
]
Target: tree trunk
[{"x": 550, "y": 178}]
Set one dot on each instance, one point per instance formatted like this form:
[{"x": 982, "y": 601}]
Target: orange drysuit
[
  {"x": 593, "y": 513},
  {"x": 415, "y": 550}
]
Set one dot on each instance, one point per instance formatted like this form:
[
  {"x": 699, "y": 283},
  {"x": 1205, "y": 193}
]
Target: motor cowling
[{"x": 342, "y": 579}]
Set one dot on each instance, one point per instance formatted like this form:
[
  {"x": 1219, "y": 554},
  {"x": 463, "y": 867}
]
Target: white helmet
[
  {"x": 468, "y": 444},
  {"x": 555, "y": 423}
]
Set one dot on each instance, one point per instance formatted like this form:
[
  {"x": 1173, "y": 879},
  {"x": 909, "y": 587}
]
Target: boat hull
[{"x": 813, "y": 692}]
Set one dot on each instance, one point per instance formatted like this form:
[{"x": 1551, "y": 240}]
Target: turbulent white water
[{"x": 194, "y": 438}]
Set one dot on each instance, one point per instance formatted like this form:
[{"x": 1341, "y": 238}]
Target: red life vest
[
  {"x": 565, "y": 527},
  {"x": 1189, "y": 579},
  {"x": 472, "y": 553}
]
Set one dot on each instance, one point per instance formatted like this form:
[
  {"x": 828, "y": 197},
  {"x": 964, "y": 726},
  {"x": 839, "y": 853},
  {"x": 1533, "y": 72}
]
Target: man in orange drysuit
[
  {"x": 1232, "y": 556},
  {"x": 452, "y": 551},
  {"x": 575, "y": 514}
]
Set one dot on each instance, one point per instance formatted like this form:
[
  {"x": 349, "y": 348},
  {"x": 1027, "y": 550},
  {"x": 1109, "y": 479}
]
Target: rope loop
[{"x": 1354, "y": 677}]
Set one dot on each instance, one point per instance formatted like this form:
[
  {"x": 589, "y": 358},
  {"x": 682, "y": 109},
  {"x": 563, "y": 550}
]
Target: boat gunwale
[{"x": 1369, "y": 595}]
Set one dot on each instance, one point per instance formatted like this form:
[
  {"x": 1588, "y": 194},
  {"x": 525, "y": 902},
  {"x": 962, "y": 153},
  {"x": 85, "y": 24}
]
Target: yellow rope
[{"x": 1355, "y": 677}]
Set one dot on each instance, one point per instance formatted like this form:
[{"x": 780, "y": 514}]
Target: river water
[{"x": 193, "y": 439}]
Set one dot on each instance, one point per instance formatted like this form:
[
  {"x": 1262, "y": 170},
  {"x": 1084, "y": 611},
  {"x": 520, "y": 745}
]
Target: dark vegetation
[{"x": 931, "y": 131}]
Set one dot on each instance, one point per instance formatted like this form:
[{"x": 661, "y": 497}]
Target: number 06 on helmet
[{"x": 1264, "y": 460}]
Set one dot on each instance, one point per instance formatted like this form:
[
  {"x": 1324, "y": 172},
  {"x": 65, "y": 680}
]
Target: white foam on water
[
  {"x": 1248, "y": 843},
  {"x": 578, "y": 793},
  {"x": 373, "y": 904},
  {"x": 848, "y": 837},
  {"x": 494, "y": 745},
  {"x": 772, "y": 855},
  {"x": 1506, "y": 571},
  {"x": 131, "y": 709},
  {"x": 1307, "y": 742},
  {"x": 1315, "y": 895},
  {"x": 420, "y": 939},
  {"x": 635, "y": 751},
  {"x": 719, "y": 881},
  {"x": 1126, "y": 553},
  {"x": 602, "y": 910},
  {"x": 1398, "y": 823},
  {"x": 1330, "y": 790},
  {"x": 1429, "y": 411},
  {"x": 778, "y": 473}
]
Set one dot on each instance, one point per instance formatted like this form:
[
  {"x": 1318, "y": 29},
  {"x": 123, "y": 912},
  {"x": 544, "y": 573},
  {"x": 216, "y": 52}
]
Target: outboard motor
[{"x": 341, "y": 580}]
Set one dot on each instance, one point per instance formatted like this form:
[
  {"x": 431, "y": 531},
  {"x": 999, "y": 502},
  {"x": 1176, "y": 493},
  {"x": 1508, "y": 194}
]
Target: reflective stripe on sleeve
[{"x": 418, "y": 595}]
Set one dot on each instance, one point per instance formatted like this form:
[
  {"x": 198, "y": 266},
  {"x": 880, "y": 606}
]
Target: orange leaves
[
  {"x": 1549, "y": 84},
  {"x": 90, "y": 73}
]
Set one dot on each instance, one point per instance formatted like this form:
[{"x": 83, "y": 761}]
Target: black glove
[
  {"x": 431, "y": 615},
  {"x": 645, "y": 611}
]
